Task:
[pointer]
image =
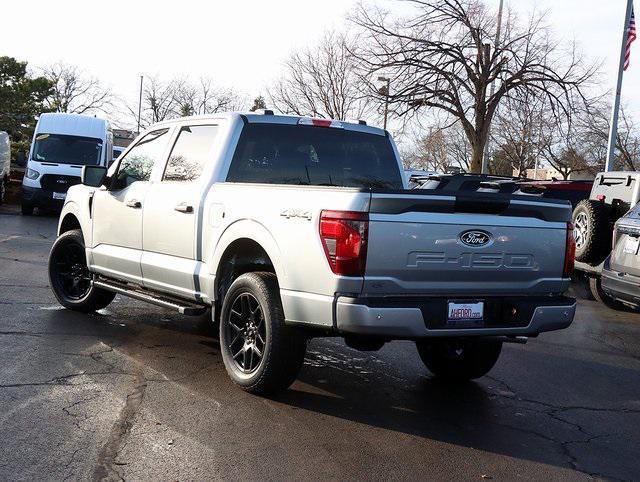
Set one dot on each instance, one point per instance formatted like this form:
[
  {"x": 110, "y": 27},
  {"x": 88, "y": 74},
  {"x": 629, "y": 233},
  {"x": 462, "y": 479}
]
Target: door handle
[
  {"x": 184, "y": 208},
  {"x": 134, "y": 203}
]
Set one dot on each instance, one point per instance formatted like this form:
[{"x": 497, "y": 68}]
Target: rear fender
[{"x": 248, "y": 229}]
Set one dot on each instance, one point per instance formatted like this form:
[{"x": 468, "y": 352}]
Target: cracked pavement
[{"x": 137, "y": 392}]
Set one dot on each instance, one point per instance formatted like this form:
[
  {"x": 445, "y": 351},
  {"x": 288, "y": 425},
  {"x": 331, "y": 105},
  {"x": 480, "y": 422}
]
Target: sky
[{"x": 244, "y": 43}]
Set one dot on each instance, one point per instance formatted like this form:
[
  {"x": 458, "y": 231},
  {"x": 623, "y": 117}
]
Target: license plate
[
  {"x": 631, "y": 245},
  {"x": 469, "y": 311},
  {"x": 59, "y": 195}
]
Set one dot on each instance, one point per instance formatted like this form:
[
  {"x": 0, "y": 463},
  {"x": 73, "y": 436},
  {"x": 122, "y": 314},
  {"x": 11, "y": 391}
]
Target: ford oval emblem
[{"x": 475, "y": 238}]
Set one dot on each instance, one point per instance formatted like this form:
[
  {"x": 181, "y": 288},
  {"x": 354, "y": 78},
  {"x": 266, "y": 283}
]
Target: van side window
[
  {"x": 138, "y": 163},
  {"x": 190, "y": 153}
]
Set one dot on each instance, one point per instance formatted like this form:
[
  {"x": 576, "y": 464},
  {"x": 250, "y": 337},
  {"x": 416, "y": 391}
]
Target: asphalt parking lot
[{"x": 137, "y": 392}]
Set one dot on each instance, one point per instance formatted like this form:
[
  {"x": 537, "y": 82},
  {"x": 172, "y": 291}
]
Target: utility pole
[
  {"x": 386, "y": 96},
  {"x": 613, "y": 128},
  {"x": 140, "y": 103},
  {"x": 492, "y": 89}
]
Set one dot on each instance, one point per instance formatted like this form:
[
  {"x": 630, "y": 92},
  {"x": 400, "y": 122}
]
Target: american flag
[{"x": 631, "y": 36}]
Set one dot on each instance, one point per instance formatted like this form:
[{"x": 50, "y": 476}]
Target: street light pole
[
  {"x": 386, "y": 101},
  {"x": 485, "y": 154},
  {"x": 140, "y": 103}
]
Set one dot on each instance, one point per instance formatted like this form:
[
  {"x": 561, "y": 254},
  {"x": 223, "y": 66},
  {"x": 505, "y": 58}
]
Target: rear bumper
[
  {"x": 415, "y": 318},
  {"x": 624, "y": 287}
]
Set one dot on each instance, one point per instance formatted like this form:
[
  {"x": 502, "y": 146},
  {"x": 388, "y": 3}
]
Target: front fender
[{"x": 77, "y": 205}]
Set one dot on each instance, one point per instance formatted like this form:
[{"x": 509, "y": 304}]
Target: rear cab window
[{"x": 314, "y": 156}]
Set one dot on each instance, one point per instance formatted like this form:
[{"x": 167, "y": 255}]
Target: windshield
[
  {"x": 63, "y": 149},
  {"x": 317, "y": 156}
]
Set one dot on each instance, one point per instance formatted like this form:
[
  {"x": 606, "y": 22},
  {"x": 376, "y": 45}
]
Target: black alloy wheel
[
  {"x": 246, "y": 333},
  {"x": 71, "y": 273}
]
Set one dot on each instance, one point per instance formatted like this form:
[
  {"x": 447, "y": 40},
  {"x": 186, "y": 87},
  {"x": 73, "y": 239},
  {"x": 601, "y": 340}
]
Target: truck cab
[{"x": 62, "y": 144}]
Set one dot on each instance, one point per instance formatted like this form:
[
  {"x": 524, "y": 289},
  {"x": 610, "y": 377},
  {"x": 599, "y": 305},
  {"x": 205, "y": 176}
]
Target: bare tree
[
  {"x": 322, "y": 82},
  {"x": 443, "y": 149},
  {"x": 441, "y": 58},
  {"x": 596, "y": 131},
  {"x": 160, "y": 99},
  {"x": 204, "y": 98},
  {"x": 572, "y": 147},
  {"x": 163, "y": 100},
  {"x": 518, "y": 131},
  {"x": 74, "y": 91}
]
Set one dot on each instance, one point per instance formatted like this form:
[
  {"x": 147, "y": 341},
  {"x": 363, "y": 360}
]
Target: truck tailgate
[{"x": 465, "y": 245}]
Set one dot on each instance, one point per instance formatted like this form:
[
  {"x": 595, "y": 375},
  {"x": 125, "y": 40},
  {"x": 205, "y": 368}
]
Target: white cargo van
[
  {"x": 62, "y": 144},
  {"x": 5, "y": 163},
  {"x": 117, "y": 150}
]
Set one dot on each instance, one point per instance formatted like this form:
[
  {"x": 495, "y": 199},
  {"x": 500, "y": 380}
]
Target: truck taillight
[
  {"x": 344, "y": 239},
  {"x": 569, "y": 252}
]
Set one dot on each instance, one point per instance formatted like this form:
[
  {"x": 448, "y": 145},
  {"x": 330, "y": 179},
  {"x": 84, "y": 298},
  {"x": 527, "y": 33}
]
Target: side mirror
[{"x": 93, "y": 175}]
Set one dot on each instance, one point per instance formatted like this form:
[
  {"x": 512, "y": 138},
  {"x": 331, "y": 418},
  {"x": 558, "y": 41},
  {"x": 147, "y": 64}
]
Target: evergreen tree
[{"x": 21, "y": 100}]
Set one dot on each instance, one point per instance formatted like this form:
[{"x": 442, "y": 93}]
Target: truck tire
[
  {"x": 27, "y": 210},
  {"x": 595, "y": 286},
  {"x": 592, "y": 230},
  {"x": 459, "y": 359},
  {"x": 70, "y": 278},
  {"x": 260, "y": 353}
]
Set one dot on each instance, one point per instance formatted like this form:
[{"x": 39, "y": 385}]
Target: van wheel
[
  {"x": 27, "y": 210},
  {"x": 591, "y": 230},
  {"x": 260, "y": 353},
  {"x": 459, "y": 359},
  {"x": 70, "y": 277}
]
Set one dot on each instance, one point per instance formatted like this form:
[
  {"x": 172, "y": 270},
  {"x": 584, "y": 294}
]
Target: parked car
[
  {"x": 416, "y": 177},
  {"x": 5, "y": 163},
  {"x": 621, "y": 269},
  {"x": 612, "y": 196},
  {"x": 573, "y": 191},
  {"x": 62, "y": 144},
  {"x": 292, "y": 227}
]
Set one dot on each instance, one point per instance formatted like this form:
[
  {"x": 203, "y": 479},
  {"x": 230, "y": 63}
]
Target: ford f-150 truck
[{"x": 293, "y": 227}]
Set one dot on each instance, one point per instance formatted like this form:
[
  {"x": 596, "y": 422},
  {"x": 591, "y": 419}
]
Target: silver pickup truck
[{"x": 290, "y": 227}]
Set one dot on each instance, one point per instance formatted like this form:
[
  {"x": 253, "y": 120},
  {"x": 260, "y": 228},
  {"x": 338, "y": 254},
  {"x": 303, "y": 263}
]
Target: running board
[{"x": 181, "y": 306}]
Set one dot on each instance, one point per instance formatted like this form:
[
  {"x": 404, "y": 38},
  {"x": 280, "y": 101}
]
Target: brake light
[
  {"x": 344, "y": 239},
  {"x": 569, "y": 252},
  {"x": 310, "y": 121}
]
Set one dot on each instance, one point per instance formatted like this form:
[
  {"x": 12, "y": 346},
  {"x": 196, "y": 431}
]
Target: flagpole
[{"x": 613, "y": 128}]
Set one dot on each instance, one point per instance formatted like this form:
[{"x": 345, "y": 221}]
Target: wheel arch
[
  {"x": 68, "y": 222},
  {"x": 244, "y": 246}
]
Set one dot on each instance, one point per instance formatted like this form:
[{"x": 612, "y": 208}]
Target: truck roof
[
  {"x": 253, "y": 117},
  {"x": 72, "y": 124}
]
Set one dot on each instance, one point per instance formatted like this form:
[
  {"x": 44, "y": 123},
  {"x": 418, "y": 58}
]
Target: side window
[
  {"x": 190, "y": 153},
  {"x": 138, "y": 163}
]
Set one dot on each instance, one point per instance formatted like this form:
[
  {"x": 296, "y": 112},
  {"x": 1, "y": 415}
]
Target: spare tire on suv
[{"x": 592, "y": 231}]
